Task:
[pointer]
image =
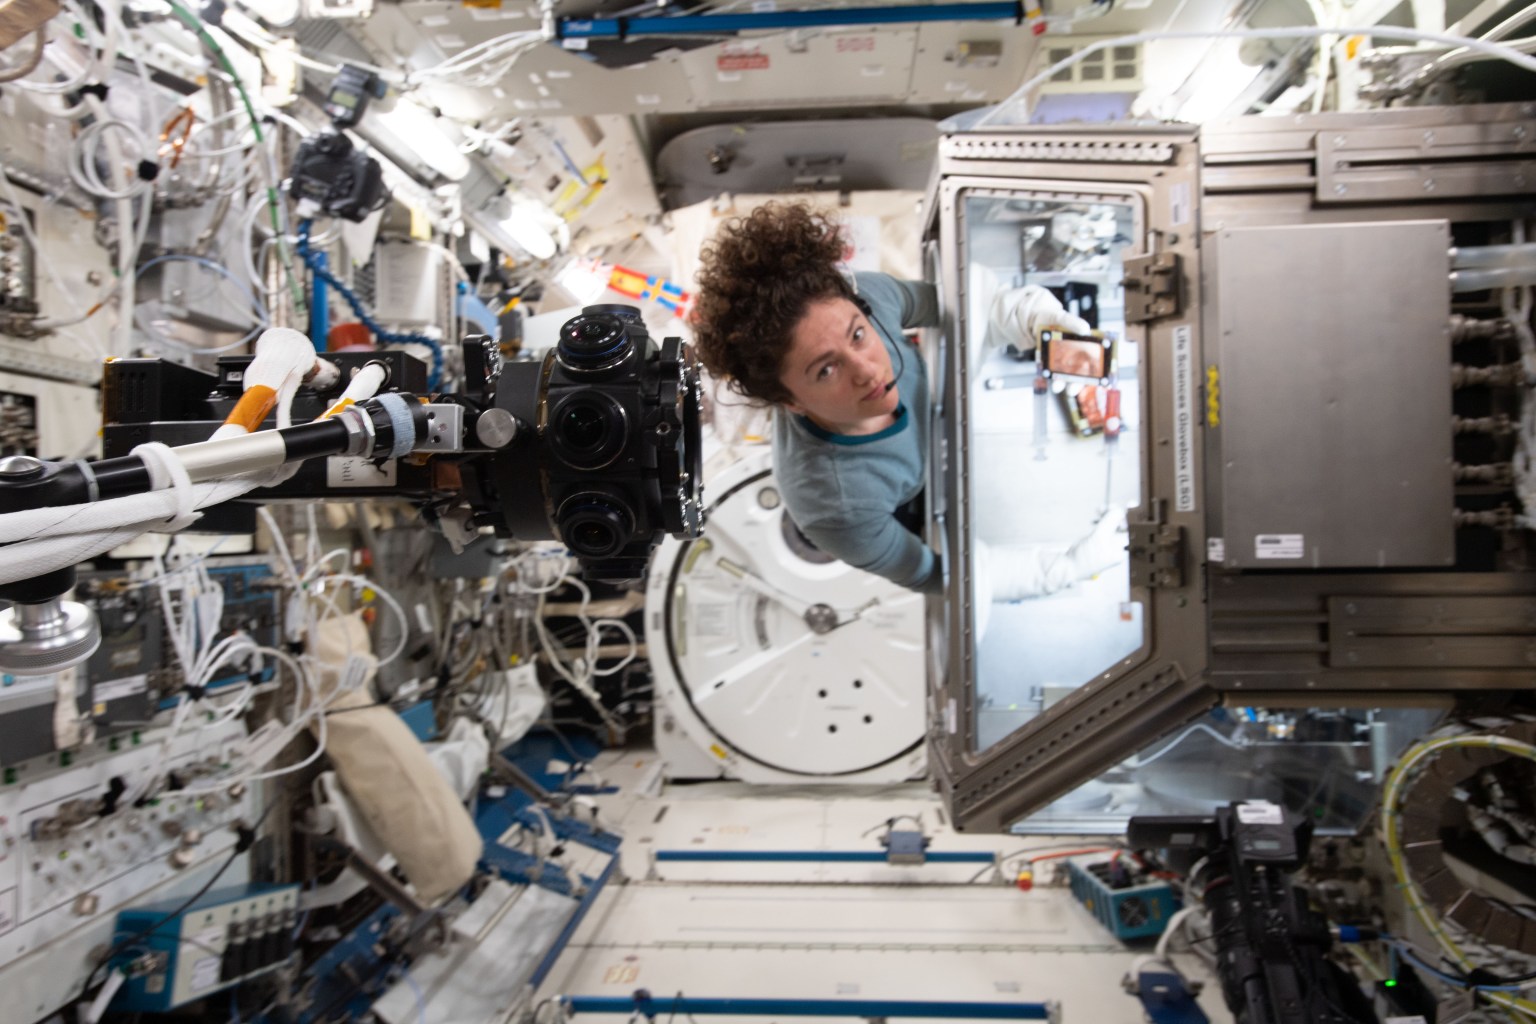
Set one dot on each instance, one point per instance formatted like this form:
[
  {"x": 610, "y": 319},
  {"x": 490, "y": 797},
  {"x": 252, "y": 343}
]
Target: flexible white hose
[
  {"x": 1484, "y": 46},
  {"x": 99, "y": 528},
  {"x": 363, "y": 386}
]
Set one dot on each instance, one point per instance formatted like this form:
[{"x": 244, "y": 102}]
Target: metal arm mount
[
  {"x": 381, "y": 428},
  {"x": 42, "y": 633}
]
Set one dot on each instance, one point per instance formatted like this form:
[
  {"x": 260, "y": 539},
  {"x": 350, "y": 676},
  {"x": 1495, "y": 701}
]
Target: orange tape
[
  {"x": 338, "y": 407},
  {"x": 252, "y": 407}
]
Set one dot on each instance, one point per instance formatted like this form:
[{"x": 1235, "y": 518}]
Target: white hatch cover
[{"x": 781, "y": 662}]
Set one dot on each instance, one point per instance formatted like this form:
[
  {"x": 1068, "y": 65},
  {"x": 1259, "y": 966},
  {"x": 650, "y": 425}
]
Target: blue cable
[
  {"x": 1450, "y": 979},
  {"x": 421, "y": 999},
  {"x": 388, "y": 337},
  {"x": 257, "y": 307}
]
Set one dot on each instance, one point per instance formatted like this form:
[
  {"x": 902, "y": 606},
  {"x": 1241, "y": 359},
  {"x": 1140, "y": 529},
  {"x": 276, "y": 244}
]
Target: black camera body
[
  {"x": 614, "y": 444},
  {"x": 601, "y": 449},
  {"x": 332, "y": 175},
  {"x": 1271, "y": 946}
]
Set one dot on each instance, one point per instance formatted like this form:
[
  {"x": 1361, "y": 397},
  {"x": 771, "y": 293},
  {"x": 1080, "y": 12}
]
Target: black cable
[
  {"x": 1315, "y": 985},
  {"x": 1228, "y": 930},
  {"x": 247, "y": 839},
  {"x": 369, "y": 707}
]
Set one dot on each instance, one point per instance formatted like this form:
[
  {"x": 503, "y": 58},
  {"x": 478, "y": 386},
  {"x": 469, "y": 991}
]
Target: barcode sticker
[{"x": 1280, "y": 545}]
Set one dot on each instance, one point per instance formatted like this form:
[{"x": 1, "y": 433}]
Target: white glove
[
  {"x": 1100, "y": 548},
  {"x": 1016, "y": 572},
  {"x": 1018, "y": 315}
]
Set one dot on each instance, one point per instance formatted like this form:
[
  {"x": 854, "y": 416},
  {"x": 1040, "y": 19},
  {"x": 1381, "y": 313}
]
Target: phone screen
[{"x": 1087, "y": 358}]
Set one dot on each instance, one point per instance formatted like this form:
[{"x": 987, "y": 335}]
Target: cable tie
[
  {"x": 148, "y": 170},
  {"x": 166, "y": 472},
  {"x": 92, "y": 487}
]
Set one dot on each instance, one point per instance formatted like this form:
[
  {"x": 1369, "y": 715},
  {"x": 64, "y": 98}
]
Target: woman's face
[{"x": 837, "y": 369}]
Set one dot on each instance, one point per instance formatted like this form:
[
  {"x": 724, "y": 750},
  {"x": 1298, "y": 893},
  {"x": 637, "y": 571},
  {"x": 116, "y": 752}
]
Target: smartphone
[{"x": 1077, "y": 356}]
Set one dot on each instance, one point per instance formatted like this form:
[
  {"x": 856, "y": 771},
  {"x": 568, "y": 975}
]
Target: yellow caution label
[
  {"x": 421, "y": 224},
  {"x": 718, "y": 751},
  {"x": 1212, "y": 397}
]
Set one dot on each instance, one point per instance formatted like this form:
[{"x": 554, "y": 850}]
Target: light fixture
[
  {"x": 1220, "y": 80},
  {"x": 423, "y": 134},
  {"x": 519, "y": 225},
  {"x": 584, "y": 279},
  {"x": 527, "y": 223}
]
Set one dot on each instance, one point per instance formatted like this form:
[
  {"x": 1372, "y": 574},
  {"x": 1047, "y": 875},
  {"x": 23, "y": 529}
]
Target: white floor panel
[
  {"x": 810, "y": 942},
  {"x": 831, "y": 931}
]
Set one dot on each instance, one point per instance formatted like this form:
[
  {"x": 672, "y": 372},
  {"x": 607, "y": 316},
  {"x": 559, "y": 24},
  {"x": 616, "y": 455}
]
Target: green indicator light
[{"x": 1390, "y": 983}]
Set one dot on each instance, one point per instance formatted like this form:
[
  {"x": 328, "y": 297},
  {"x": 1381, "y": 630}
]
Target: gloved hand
[
  {"x": 1100, "y": 548},
  {"x": 1013, "y": 572},
  {"x": 1018, "y": 315}
]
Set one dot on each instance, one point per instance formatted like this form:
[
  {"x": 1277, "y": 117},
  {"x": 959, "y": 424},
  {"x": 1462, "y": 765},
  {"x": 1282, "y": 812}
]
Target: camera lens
[
  {"x": 594, "y": 525},
  {"x": 595, "y": 341},
  {"x": 592, "y": 536},
  {"x": 587, "y": 429},
  {"x": 584, "y": 428}
]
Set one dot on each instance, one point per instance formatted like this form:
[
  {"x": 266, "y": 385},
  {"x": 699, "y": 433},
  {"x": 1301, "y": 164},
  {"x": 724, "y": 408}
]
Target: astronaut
[{"x": 782, "y": 324}]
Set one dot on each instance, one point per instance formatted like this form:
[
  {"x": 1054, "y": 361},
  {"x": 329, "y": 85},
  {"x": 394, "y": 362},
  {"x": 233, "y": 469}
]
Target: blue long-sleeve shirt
[{"x": 843, "y": 491}]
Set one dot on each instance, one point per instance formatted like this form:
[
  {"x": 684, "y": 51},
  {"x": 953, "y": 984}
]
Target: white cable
[
  {"x": 290, "y": 570},
  {"x": 363, "y": 582},
  {"x": 1236, "y": 743},
  {"x": 248, "y": 30},
  {"x": 84, "y": 156},
  {"x": 581, "y": 681},
  {"x": 127, "y": 257},
  {"x": 313, "y": 710},
  {"x": 1492, "y": 49},
  {"x": 42, "y": 554},
  {"x": 98, "y": 1007},
  {"x": 594, "y": 640},
  {"x": 55, "y": 54},
  {"x": 146, "y": 510},
  {"x": 1175, "y": 923}
]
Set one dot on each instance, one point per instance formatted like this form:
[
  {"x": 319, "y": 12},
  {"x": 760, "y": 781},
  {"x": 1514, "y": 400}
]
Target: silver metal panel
[
  {"x": 846, "y": 155},
  {"x": 1335, "y": 400},
  {"x": 500, "y": 941},
  {"x": 1097, "y": 146},
  {"x": 1280, "y": 134},
  {"x": 1154, "y": 691},
  {"x": 1342, "y": 181},
  {"x": 867, "y": 65}
]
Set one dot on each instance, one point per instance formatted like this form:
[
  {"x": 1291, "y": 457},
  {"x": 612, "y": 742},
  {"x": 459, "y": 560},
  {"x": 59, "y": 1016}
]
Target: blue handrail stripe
[
  {"x": 818, "y": 856},
  {"x": 725, "y": 24},
  {"x": 865, "y": 1008}
]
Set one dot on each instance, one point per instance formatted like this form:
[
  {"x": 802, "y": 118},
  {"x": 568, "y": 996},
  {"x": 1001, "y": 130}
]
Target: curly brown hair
[{"x": 756, "y": 279}]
